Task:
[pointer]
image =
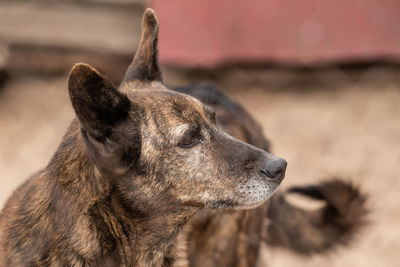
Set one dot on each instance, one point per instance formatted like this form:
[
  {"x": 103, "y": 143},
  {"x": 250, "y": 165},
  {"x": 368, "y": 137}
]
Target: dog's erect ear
[
  {"x": 144, "y": 67},
  {"x": 98, "y": 105}
]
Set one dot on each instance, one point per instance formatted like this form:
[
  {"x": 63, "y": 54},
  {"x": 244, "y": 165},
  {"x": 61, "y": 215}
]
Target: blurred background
[{"x": 321, "y": 77}]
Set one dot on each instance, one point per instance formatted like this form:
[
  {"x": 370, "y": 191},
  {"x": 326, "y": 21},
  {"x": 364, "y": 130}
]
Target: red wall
[{"x": 213, "y": 32}]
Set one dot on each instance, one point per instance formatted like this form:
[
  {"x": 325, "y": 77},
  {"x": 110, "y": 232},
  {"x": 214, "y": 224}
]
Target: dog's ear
[
  {"x": 100, "y": 108},
  {"x": 97, "y": 103},
  {"x": 144, "y": 67}
]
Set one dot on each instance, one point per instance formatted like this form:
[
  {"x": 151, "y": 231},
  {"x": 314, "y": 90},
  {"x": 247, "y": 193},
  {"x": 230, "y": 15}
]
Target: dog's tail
[{"x": 304, "y": 231}]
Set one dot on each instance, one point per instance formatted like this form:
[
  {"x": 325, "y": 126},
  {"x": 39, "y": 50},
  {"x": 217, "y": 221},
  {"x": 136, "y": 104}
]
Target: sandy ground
[{"x": 351, "y": 132}]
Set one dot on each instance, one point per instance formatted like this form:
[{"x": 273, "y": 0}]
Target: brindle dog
[{"x": 137, "y": 163}]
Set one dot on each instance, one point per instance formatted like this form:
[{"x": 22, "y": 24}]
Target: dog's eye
[{"x": 189, "y": 140}]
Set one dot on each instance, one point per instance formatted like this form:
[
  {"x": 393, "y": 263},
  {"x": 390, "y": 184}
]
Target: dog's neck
[
  {"x": 153, "y": 232},
  {"x": 135, "y": 226},
  {"x": 150, "y": 225}
]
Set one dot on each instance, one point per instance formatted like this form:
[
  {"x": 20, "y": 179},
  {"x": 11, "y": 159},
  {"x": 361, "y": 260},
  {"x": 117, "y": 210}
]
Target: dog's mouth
[
  {"x": 248, "y": 197},
  {"x": 255, "y": 203}
]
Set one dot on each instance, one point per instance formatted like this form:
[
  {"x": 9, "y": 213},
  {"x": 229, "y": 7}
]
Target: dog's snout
[{"x": 275, "y": 169}]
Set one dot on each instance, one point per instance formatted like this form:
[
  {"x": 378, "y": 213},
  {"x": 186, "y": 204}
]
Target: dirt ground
[{"x": 350, "y": 130}]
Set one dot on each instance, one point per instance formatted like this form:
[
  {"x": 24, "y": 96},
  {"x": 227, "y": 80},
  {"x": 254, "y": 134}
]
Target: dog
[
  {"x": 236, "y": 238},
  {"x": 134, "y": 167}
]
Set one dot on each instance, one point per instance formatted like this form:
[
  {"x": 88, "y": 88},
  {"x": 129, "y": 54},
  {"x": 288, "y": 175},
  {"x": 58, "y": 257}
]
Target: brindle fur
[
  {"x": 233, "y": 238},
  {"x": 134, "y": 166}
]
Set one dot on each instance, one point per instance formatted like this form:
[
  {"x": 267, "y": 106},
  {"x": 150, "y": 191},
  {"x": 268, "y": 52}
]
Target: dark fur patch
[
  {"x": 98, "y": 105},
  {"x": 343, "y": 215}
]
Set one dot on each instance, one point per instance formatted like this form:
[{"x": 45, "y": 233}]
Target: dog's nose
[{"x": 275, "y": 169}]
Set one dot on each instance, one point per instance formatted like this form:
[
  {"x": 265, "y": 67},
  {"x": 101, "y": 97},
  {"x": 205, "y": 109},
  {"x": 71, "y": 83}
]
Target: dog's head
[{"x": 165, "y": 145}]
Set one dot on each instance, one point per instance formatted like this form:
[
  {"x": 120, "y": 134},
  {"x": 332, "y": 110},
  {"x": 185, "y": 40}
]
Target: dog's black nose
[{"x": 275, "y": 169}]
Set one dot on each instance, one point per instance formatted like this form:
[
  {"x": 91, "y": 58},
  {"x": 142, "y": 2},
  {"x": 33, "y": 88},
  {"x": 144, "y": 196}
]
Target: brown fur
[
  {"x": 233, "y": 238},
  {"x": 134, "y": 166}
]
